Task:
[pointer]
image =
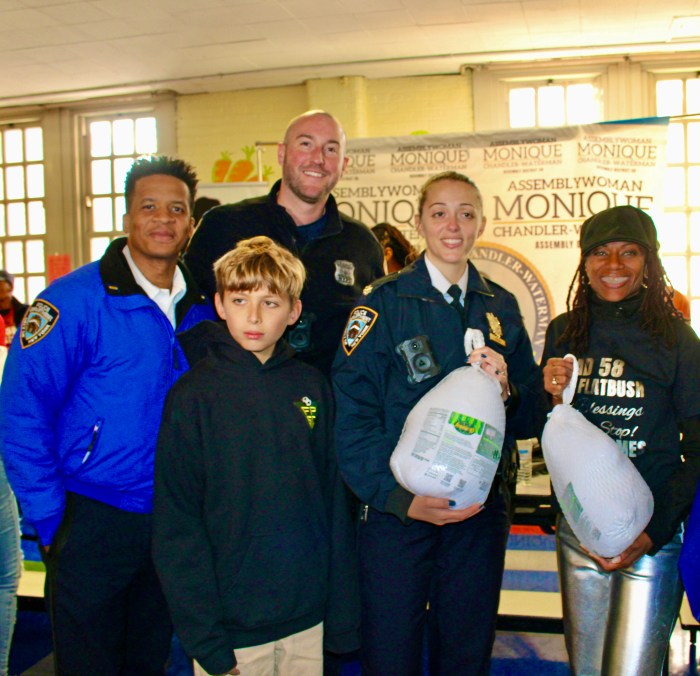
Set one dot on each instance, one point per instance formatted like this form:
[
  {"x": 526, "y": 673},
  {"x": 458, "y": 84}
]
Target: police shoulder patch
[
  {"x": 359, "y": 324},
  {"x": 38, "y": 321}
]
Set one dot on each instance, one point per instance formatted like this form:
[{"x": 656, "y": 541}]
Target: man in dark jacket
[
  {"x": 81, "y": 404},
  {"x": 340, "y": 254}
]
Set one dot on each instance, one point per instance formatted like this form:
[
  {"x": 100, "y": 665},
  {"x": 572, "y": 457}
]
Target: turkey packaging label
[
  {"x": 604, "y": 498},
  {"x": 451, "y": 442}
]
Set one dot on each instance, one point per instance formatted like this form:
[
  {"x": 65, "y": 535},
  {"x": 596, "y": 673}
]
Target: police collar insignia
[
  {"x": 345, "y": 273},
  {"x": 360, "y": 322},
  {"x": 495, "y": 329},
  {"x": 40, "y": 318},
  {"x": 308, "y": 408}
]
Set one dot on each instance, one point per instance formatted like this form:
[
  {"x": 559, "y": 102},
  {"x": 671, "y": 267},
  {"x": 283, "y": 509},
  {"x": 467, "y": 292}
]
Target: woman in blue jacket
[{"x": 404, "y": 336}]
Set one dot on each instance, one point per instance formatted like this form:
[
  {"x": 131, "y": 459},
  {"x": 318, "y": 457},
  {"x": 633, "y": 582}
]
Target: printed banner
[{"x": 538, "y": 187}]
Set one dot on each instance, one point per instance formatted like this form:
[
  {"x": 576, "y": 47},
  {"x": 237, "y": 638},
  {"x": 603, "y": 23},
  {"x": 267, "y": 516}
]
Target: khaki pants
[{"x": 296, "y": 655}]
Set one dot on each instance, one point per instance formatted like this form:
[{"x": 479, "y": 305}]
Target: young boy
[{"x": 252, "y": 537}]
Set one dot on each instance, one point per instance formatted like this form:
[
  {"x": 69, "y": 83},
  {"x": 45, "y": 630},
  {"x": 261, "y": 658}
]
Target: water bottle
[{"x": 525, "y": 457}]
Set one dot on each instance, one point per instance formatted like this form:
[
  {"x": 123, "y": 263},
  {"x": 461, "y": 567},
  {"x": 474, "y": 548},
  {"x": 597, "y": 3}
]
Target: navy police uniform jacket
[
  {"x": 84, "y": 387},
  {"x": 371, "y": 378},
  {"x": 339, "y": 263}
]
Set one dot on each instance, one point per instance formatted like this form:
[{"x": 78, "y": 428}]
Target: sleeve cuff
[{"x": 398, "y": 502}]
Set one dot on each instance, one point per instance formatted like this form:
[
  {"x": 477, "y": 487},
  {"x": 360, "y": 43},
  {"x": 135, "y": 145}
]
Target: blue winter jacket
[{"x": 84, "y": 388}]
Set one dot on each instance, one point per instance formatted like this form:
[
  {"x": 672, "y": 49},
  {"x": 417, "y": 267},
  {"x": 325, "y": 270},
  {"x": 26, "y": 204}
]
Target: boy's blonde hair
[{"x": 260, "y": 261}]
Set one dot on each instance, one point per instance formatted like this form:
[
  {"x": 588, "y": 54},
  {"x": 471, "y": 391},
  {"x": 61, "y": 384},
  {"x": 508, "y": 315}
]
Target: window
[
  {"x": 113, "y": 143},
  {"x": 22, "y": 217},
  {"x": 553, "y": 104},
  {"x": 679, "y": 229}
]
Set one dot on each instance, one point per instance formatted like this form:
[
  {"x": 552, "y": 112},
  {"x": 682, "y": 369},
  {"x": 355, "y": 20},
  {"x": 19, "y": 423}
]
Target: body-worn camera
[
  {"x": 299, "y": 336},
  {"x": 419, "y": 359}
]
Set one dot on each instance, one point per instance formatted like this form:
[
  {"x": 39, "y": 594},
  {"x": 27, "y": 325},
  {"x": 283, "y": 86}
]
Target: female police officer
[{"x": 403, "y": 337}]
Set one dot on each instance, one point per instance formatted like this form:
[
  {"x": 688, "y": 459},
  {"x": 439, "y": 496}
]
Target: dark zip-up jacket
[
  {"x": 252, "y": 533},
  {"x": 339, "y": 263}
]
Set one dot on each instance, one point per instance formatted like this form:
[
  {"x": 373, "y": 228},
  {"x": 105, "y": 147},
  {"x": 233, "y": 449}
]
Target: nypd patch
[
  {"x": 359, "y": 324},
  {"x": 38, "y": 321}
]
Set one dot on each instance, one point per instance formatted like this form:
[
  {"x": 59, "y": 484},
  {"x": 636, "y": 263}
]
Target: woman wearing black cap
[{"x": 639, "y": 374}]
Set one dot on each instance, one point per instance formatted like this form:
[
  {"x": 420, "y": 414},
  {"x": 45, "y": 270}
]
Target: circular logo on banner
[{"x": 518, "y": 275}]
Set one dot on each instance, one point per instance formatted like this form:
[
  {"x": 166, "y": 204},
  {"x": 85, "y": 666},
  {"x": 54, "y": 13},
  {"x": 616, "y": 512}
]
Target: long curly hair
[{"x": 657, "y": 309}]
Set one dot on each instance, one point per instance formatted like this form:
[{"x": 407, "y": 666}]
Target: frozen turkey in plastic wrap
[
  {"x": 451, "y": 441},
  {"x": 604, "y": 498}
]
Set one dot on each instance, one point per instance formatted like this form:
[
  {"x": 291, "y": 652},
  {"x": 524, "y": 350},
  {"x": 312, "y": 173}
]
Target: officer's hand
[
  {"x": 494, "y": 364},
  {"x": 437, "y": 510}
]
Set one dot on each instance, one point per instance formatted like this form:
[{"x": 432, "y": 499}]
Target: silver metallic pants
[{"x": 619, "y": 623}]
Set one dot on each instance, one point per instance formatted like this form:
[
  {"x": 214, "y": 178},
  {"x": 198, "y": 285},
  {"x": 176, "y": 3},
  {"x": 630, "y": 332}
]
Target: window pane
[
  {"x": 35, "y": 285},
  {"x": 16, "y": 219},
  {"x": 581, "y": 104},
  {"x": 100, "y": 139},
  {"x": 2, "y": 186},
  {"x": 672, "y": 233},
  {"x": 14, "y": 261},
  {"x": 121, "y": 168},
  {"x": 37, "y": 218},
  {"x": 695, "y": 275},
  {"x": 676, "y": 271},
  {"x": 101, "y": 177},
  {"x": 694, "y": 194},
  {"x": 119, "y": 211},
  {"x": 102, "y": 214},
  {"x": 15, "y": 182},
  {"x": 669, "y": 97},
  {"x": 98, "y": 245},
  {"x": 692, "y": 101},
  {"x": 123, "y": 137},
  {"x": 34, "y": 142},
  {"x": 522, "y": 107},
  {"x": 2, "y": 221},
  {"x": 35, "y": 180},
  {"x": 674, "y": 187},
  {"x": 13, "y": 145},
  {"x": 675, "y": 150},
  {"x": 146, "y": 136},
  {"x": 551, "y": 106},
  {"x": 694, "y": 142},
  {"x": 695, "y": 231},
  {"x": 35, "y": 255}
]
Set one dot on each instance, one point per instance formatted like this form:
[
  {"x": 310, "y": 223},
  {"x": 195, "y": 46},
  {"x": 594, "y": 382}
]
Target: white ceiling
[{"x": 52, "y": 50}]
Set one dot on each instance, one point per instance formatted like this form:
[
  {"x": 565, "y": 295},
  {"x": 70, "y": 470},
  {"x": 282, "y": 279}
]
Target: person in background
[
  {"x": 340, "y": 254},
  {"x": 11, "y": 310},
  {"x": 82, "y": 402},
  {"x": 201, "y": 206},
  {"x": 640, "y": 366},
  {"x": 247, "y": 486},
  {"x": 398, "y": 251},
  {"x": 681, "y": 303},
  {"x": 10, "y": 552},
  {"x": 415, "y": 551}
]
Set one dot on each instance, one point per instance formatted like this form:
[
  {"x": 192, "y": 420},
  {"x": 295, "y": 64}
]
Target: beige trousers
[{"x": 296, "y": 655}]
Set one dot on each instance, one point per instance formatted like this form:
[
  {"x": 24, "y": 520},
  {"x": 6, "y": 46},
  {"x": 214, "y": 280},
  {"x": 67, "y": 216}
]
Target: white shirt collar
[
  {"x": 165, "y": 299},
  {"x": 441, "y": 283}
]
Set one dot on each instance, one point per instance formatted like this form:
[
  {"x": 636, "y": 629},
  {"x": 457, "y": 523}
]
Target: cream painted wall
[{"x": 209, "y": 124}]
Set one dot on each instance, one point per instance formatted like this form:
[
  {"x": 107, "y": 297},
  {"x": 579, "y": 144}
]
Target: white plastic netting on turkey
[
  {"x": 451, "y": 441},
  {"x": 604, "y": 498}
]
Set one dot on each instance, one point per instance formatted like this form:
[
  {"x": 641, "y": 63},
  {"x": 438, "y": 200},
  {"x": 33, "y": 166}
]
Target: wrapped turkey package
[
  {"x": 451, "y": 441},
  {"x": 604, "y": 498}
]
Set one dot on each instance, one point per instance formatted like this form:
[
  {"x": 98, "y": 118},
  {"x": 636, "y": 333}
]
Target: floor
[{"x": 530, "y": 568}]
